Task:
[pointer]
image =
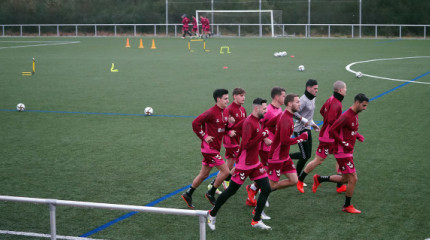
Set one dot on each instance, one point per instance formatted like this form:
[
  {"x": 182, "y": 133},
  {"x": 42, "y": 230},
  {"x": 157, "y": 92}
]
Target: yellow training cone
[
  {"x": 141, "y": 44},
  {"x": 153, "y": 45},
  {"x": 127, "y": 45}
]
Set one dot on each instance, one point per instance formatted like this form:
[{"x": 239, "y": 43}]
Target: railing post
[
  {"x": 95, "y": 30},
  {"x": 352, "y": 30},
  {"x": 328, "y": 31},
  {"x": 155, "y": 30},
  {"x": 400, "y": 31},
  {"x": 424, "y": 31},
  {"x": 202, "y": 224},
  {"x": 306, "y": 31},
  {"x": 238, "y": 30},
  {"x": 52, "y": 221},
  {"x": 376, "y": 31},
  {"x": 76, "y": 30},
  {"x": 58, "y": 30},
  {"x": 39, "y": 29},
  {"x": 2, "y": 32},
  {"x": 20, "y": 30},
  {"x": 114, "y": 27},
  {"x": 135, "y": 30}
]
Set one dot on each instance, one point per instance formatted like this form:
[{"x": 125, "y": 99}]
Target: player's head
[
  {"x": 292, "y": 102},
  {"x": 312, "y": 87},
  {"x": 239, "y": 95},
  {"x": 339, "y": 87},
  {"x": 193, "y": 17},
  {"x": 278, "y": 95},
  {"x": 184, "y": 15},
  {"x": 259, "y": 107},
  {"x": 221, "y": 97},
  {"x": 360, "y": 102}
]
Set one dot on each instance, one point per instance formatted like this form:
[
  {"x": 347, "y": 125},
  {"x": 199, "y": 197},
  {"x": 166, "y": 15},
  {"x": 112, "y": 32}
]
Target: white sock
[{"x": 253, "y": 187}]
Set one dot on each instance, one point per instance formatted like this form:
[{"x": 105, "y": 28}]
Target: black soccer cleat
[
  {"x": 210, "y": 198},
  {"x": 188, "y": 200}
]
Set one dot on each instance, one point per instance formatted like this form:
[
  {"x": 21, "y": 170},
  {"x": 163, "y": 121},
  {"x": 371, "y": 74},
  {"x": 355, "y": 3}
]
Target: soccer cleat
[
  {"x": 316, "y": 183},
  {"x": 305, "y": 185},
  {"x": 264, "y": 216},
  {"x": 267, "y": 203},
  {"x": 251, "y": 193},
  {"x": 216, "y": 192},
  {"x": 210, "y": 198},
  {"x": 251, "y": 203},
  {"x": 350, "y": 209},
  {"x": 211, "y": 221},
  {"x": 341, "y": 189},
  {"x": 300, "y": 186},
  {"x": 188, "y": 200},
  {"x": 260, "y": 225},
  {"x": 225, "y": 184}
]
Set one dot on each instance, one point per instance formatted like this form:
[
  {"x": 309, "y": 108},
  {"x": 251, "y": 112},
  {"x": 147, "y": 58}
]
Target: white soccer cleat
[
  {"x": 267, "y": 203},
  {"x": 211, "y": 221},
  {"x": 260, "y": 225},
  {"x": 305, "y": 185},
  {"x": 264, "y": 216}
]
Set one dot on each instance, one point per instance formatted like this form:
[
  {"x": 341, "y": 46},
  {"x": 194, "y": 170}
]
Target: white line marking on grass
[
  {"x": 348, "y": 68},
  {"x": 48, "y": 43},
  {"x": 30, "y": 234}
]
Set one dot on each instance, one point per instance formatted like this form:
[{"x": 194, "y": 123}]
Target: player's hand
[
  {"x": 316, "y": 128},
  {"x": 267, "y": 141},
  {"x": 360, "y": 137},
  {"x": 231, "y": 119},
  {"x": 209, "y": 139},
  {"x": 304, "y": 136},
  {"x": 231, "y": 133}
]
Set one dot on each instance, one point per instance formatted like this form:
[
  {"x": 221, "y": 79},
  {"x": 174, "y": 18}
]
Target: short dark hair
[
  {"x": 238, "y": 91},
  {"x": 276, "y": 91},
  {"x": 311, "y": 83},
  {"x": 361, "y": 97},
  {"x": 259, "y": 101},
  {"x": 218, "y": 93},
  {"x": 289, "y": 98}
]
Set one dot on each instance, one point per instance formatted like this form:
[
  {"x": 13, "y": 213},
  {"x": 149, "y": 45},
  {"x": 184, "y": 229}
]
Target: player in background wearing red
[
  {"x": 231, "y": 140},
  {"x": 195, "y": 28},
  {"x": 345, "y": 133},
  {"x": 273, "y": 110},
  {"x": 331, "y": 111},
  {"x": 280, "y": 162},
  {"x": 210, "y": 127},
  {"x": 185, "y": 22},
  {"x": 205, "y": 27},
  {"x": 248, "y": 165}
]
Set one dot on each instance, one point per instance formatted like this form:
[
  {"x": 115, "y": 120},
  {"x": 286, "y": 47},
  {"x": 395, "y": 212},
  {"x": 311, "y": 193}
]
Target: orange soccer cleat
[
  {"x": 300, "y": 186},
  {"x": 316, "y": 183},
  {"x": 251, "y": 197},
  {"x": 341, "y": 189},
  {"x": 351, "y": 209}
]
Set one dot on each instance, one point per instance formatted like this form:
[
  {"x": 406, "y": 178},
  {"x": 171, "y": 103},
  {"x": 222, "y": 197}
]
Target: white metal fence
[
  {"x": 235, "y": 30},
  {"x": 54, "y": 202}
]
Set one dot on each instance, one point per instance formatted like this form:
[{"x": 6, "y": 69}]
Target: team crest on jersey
[
  {"x": 242, "y": 176},
  {"x": 350, "y": 165}
]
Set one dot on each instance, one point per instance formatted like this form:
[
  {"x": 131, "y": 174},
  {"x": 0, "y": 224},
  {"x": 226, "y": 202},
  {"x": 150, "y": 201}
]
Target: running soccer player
[
  {"x": 345, "y": 133},
  {"x": 273, "y": 110},
  {"x": 248, "y": 165},
  {"x": 205, "y": 26},
  {"x": 195, "y": 28},
  {"x": 185, "y": 22},
  {"x": 231, "y": 140},
  {"x": 305, "y": 116},
  {"x": 280, "y": 162},
  {"x": 210, "y": 127},
  {"x": 331, "y": 110}
]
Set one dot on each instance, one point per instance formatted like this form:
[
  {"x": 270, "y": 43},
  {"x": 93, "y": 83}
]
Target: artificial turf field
[{"x": 59, "y": 148}]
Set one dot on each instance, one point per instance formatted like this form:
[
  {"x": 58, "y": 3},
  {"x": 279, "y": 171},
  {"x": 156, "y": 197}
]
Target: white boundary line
[
  {"x": 348, "y": 68},
  {"x": 30, "y": 234},
  {"x": 38, "y": 45}
]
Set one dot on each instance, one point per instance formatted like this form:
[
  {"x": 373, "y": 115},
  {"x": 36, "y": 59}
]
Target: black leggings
[{"x": 305, "y": 151}]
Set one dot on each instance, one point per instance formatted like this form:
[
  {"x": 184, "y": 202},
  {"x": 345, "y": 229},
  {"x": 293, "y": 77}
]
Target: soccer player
[
  {"x": 345, "y": 133},
  {"x": 195, "y": 28},
  {"x": 210, "y": 127},
  {"x": 280, "y": 162},
  {"x": 205, "y": 26},
  {"x": 305, "y": 116},
  {"x": 331, "y": 110},
  {"x": 248, "y": 165},
  {"x": 185, "y": 22},
  {"x": 273, "y": 110}
]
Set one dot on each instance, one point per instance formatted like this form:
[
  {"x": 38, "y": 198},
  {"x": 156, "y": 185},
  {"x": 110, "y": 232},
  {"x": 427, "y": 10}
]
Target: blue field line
[
  {"x": 389, "y": 41},
  {"x": 151, "y": 204},
  {"x": 100, "y": 113}
]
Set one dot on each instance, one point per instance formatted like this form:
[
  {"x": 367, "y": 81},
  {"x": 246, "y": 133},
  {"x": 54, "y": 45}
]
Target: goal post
[{"x": 271, "y": 18}]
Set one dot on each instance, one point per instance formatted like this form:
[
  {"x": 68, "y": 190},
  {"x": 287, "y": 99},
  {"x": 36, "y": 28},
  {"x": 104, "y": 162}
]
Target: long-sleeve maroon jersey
[
  {"x": 212, "y": 122},
  {"x": 185, "y": 22},
  {"x": 239, "y": 114},
  {"x": 271, "y": 114},
  {"x": 252, "y": 135},
  {"x": 331, "y": 110},
  {"x": 345, "y": 130}
]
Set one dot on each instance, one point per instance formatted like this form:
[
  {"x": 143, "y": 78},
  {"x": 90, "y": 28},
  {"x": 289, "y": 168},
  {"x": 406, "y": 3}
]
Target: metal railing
[
  {"x": 55, "y": 202},
  {"x": 299, "y": 30}
]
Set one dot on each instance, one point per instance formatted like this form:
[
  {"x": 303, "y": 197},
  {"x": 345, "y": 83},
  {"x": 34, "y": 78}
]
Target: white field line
[
  {"x": 47, "y": 43},
  {"x": 30, "y": 234},
  {"x": 348, "y": 68}
]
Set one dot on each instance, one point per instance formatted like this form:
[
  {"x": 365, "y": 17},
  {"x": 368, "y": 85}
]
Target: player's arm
[
  {"x": 199, "y": 123},
  {"x": 333, "y": 114},
  {"x": 247, "y": 142},
  {"x": 285, "y": 135},
  {"x": 335, "y": 130},
  {"x": 271, "y": 123},
  {"x": 360, "y": 137}
]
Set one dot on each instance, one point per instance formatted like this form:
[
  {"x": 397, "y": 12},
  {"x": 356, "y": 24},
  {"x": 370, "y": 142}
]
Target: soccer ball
[
  {"x": 149, "y": 111},
  {"x": 20, "y": 107},
  {"x": 284, "y": 53},
  {"x": 276, "y": 54},
  {"x": 301, "y": 68},
  {"x": 358, "y": 74}
]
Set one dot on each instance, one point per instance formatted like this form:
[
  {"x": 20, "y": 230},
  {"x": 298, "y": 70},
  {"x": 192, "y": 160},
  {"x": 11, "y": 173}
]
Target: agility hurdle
[
  {"x": 54, "y": 202},
  {"x": 197, "y": 40}
]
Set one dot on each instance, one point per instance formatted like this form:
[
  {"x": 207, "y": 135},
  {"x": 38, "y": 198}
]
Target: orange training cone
[
  {"x": 141, "y": 44},
  {"x": 153, "y": 45},
  {"x": 127, "y": 45}
]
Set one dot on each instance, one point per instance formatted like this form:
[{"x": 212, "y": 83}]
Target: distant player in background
[
  {"x": 185, "y": 22},
  {"x": 305, "y": 117},
  {"x": 345, "y": 133},
  {"x": 273, "y": 110},
  {"x": 331, "y": 111},
  {"x": 195, "y": 29},
  {"x": 210, "y": 127},
  {"x": 248, "y": 165},
  {"x": 205, "y": 27},
  {"x": 280, "y": 162}
]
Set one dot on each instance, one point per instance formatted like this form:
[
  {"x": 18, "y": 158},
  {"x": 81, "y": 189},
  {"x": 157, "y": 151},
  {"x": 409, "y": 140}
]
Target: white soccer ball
[
  {"x": 276, "y": 54},
  {"x": 301, "y": 68},
  {"x": 20, "y": 107},
  {"x": 284, "y": 53},
  {"x": 149, "y": 111},
  {"x": 358, "y": 74}
]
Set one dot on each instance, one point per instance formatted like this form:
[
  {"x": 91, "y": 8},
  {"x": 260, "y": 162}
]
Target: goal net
[{"x": 243, "y": 22}]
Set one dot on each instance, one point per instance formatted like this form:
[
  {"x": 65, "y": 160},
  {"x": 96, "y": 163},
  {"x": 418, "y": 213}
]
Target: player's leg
[
  {"x": 305, "y": 150},
  {"x": 318, "y": 160},
  {"x": 340, "y": 186},
  {"x": 334, "y": 178},
  {"x": 187, "y": 196},
  {"x": 352, "y": 181},
  {"x": 261, "y": 202},
  {"x": 223, "y": 173},
  {"x": 230, "y": 191}
]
